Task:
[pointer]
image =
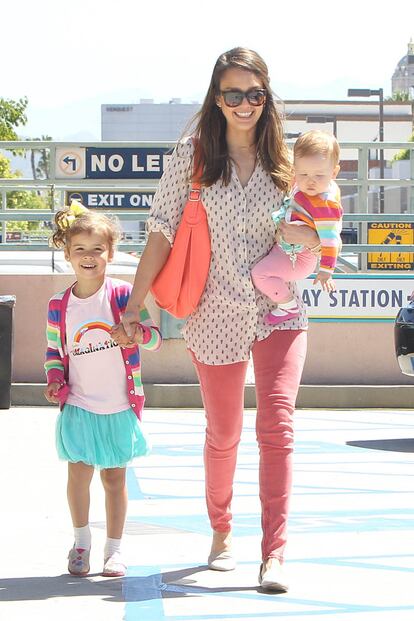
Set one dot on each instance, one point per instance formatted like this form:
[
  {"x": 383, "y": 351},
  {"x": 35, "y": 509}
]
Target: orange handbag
[{"x": 180, "y": 283}]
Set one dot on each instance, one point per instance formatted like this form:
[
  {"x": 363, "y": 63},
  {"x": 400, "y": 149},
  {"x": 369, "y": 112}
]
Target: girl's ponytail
[{"x": 64, "y": 220}]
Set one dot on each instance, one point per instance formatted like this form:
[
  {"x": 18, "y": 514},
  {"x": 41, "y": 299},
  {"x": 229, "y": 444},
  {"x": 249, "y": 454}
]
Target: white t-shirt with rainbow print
[{"x": 96, "y": 369}]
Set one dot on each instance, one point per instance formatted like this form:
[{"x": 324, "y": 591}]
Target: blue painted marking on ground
[
  {"x": 134, "y": 490},
  {"x": 324, "y": 447},
  {"x": 245, "y": 525},
  {"x": 327, "y": 609},
  {"x": 141, "y": 591},
  {"x": 144, "y": 589},
  {"x": 176, "y": 449},
  {"x": 362, "y": 562},
  {"x": 349, "y": 521},
  {"x": 313, "y": 490}
]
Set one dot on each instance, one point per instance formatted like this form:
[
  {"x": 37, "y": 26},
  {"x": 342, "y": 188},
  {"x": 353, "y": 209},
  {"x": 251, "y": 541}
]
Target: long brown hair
[{"x": 210, "y": 125}]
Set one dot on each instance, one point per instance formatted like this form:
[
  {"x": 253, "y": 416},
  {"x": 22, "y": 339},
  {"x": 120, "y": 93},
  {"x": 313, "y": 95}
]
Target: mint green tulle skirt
[{"x": 100, "y": 440}]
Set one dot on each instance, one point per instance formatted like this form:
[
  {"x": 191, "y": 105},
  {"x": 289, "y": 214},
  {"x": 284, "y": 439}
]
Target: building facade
[{"x": 350, "y": 120}]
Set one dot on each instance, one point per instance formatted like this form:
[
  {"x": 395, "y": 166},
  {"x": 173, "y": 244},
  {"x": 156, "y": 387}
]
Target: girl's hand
[
  {"x": 139, "y": 335},
  {"x": 121, "y": 337},
  {"x": 295, "y": 234},
  {"x": 51, "y": 392},
  {"x": 326, "y": 280}
]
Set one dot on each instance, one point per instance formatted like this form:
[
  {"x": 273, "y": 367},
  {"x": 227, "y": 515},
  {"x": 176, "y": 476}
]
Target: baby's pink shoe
[{"x": 274, "y": 320}]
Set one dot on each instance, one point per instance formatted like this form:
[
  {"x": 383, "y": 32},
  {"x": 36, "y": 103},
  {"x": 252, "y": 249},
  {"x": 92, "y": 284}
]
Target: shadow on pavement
[
  {"x": 128, "y": 589},
  {"x": 47, "y": 587},
  {"x": 400, "y": 445}
]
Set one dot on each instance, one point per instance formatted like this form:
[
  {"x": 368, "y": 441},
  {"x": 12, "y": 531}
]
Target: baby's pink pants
[{"x": 272, "y": 272}]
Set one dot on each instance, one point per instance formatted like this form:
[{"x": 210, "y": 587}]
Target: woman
[{"x": 246, "y": 173}]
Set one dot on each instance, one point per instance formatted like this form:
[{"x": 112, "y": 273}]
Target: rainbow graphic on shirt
[
  {"x": 92, "y": 325},
  {"x": 91, "y": 344}
]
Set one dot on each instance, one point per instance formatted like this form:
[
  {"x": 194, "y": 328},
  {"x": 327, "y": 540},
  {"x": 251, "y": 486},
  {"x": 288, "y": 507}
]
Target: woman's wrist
[
  {"x": 315, "y": 249},
  {"x": 133, "y": 307}
]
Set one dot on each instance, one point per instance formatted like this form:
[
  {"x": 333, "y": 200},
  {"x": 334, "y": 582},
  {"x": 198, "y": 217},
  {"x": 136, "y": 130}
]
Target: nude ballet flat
[
  {"x": 221, "y": 561},
  {"x": 221, "y": 557},
  {"x": 272, "y": 578}
]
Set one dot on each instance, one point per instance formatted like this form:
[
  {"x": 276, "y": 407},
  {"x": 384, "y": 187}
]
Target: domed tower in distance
[{"x": 403, "y": 77}]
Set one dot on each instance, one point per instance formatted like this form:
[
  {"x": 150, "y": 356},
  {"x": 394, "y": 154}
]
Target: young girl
[{"x": 97, "y": 384}]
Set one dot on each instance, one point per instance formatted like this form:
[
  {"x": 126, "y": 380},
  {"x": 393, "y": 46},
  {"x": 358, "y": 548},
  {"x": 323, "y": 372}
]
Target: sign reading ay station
[{"x": 358, "y": 297}]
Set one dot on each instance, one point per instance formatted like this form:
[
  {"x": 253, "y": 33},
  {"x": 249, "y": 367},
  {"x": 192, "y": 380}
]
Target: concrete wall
[{"x": 338, "y": 353}]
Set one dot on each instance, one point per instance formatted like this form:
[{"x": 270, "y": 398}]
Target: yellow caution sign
[{"x": 392, "y": 235}]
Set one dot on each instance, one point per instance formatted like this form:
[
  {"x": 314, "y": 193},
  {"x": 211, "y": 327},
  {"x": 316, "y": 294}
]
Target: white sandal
[{"x": 114, "y": 566}]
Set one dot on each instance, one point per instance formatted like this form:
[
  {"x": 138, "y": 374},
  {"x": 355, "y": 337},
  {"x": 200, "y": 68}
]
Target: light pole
[
  {"x": 367, "y": 92},
  {"x": 324, "y": 119}
]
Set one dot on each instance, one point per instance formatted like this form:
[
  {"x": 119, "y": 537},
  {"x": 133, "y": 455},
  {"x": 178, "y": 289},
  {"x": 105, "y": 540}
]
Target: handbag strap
[
  {"x": 195, "y": 192},
  {"x": 194, "y": 207}
]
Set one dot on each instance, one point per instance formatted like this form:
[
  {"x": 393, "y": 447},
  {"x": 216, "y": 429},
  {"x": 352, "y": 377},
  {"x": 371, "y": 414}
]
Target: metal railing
[{"x": 55, "y": 185}]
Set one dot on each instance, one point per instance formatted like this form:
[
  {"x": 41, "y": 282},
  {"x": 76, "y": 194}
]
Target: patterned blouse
[{"x": 230, "y": 316}]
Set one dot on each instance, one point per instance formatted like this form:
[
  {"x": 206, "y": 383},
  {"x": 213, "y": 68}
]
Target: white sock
[
  {"x": 289, "y": 305},
  {"x": 112, "y": 546},
  {"x": 284, "y": 307},
  {"x": 82, "y": 537}
]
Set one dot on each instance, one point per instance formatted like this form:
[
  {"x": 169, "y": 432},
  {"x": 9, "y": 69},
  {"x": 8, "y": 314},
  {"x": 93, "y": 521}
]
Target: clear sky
[{"x": 71, "y": 56}]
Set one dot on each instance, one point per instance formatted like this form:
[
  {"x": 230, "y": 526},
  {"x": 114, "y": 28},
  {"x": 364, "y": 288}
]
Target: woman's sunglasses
[{"x": 255, "y": 97}]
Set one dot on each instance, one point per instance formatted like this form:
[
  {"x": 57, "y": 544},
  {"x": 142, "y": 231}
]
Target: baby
[{"x": 315, "y": 201}]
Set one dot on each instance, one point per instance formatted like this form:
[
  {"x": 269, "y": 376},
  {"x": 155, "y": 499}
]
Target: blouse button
[
  {"x": 132, "y": 405},
  {"x": 126, "y": 361},
  {"x": 129, "y": 376},
  {"x": 131, "y": 392}
]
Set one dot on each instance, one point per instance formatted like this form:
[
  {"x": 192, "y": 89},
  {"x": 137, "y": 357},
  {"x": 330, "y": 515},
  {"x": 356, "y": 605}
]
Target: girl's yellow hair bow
[{"x": 75, "y": 210}]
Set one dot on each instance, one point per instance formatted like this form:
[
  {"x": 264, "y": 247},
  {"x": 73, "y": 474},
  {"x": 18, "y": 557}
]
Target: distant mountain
[{"x": 82, "y": 135}]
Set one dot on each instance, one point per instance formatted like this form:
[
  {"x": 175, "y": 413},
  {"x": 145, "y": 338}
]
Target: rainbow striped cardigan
[
  {"x": 57, "y": 358},
  {"x": 323, "y": 213}
]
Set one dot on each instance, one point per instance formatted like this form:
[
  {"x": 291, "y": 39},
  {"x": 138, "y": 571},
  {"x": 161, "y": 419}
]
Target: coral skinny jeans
[{"x": 278, "y": 363}]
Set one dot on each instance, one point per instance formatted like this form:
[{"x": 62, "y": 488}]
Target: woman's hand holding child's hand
[
  {"x": 130, "y": 319},
  {"x": 121, "y": 337},
  {"x": 326, "y": 280}
]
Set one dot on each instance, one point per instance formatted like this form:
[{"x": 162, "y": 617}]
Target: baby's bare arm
[{"x": 326, "y": 280}]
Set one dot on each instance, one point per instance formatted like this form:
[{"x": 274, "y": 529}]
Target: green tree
[
  {"x": 404, "y": 154},
  {"x": 40, "y": 169},
  {"x": 12, "y": 115},
  {"x": 5, "y": 171},
  {"x": 401, "y": 96},
  {"x": 26, "y": 201}
]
